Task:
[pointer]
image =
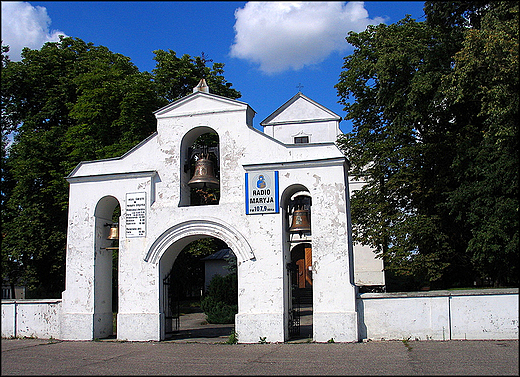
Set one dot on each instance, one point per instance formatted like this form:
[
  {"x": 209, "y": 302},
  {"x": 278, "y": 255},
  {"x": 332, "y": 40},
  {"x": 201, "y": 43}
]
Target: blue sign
[{"x": 262, "y": 192}]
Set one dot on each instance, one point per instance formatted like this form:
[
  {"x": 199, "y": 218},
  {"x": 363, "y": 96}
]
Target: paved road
[{"x": 46, "y": 357}]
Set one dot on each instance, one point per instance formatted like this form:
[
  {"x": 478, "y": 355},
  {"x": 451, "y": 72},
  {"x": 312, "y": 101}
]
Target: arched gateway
[
  {"x": 193, "y": 229},
  {"x": 279, "y": 199}
]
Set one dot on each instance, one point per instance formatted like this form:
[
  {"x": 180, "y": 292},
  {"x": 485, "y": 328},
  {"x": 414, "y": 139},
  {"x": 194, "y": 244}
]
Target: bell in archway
[
  {"x": 204, "y": 175},
  {"x": 300, "y": 222},
  {"x": 114, "y": 232}
]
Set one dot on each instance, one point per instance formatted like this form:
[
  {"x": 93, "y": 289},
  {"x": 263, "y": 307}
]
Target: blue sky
[{"x": 270, "y": 49}]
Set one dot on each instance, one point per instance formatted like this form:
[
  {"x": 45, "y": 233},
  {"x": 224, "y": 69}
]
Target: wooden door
[
  {"x": 302, "y": 257},
  {"x": 308, "y": 266},
  {"x": 301, "y": 272}
]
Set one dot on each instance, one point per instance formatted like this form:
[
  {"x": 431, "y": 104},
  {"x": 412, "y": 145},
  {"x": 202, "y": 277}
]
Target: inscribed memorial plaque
[{"x": 135, "y": 214}]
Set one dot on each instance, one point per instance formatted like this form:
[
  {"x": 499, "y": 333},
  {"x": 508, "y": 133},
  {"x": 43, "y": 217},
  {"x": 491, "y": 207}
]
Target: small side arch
[
  {"x": 105, "y": 207},
  {"x": 287, "y": 197},
  {"x": 104, "y": 283},
  {"x": 208, "y": 227}
]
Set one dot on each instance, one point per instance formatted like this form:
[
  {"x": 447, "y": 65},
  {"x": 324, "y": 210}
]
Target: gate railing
[
  {"x": 171, "y": 306},
  {"x": 294, "y": 311},
  {"x": 294, "y": 314}
]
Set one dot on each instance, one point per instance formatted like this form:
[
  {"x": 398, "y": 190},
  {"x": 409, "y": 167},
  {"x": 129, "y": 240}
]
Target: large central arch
[{"x": 208, "y": 227}]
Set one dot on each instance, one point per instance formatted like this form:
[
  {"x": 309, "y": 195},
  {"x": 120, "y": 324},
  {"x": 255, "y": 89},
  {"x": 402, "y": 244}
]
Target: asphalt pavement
[{"x": 189, "y": 357}]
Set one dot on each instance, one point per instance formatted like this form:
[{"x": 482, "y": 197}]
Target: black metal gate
[
  {"x": 294, "y": 312},
  {"x": 171, "y": 305}
]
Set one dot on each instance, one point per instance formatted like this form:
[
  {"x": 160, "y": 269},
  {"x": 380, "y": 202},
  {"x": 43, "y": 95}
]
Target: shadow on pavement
[{"x": 194, "y": 327}]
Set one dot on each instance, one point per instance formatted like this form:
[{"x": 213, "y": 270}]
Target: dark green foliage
[
  {"x": 219, "y": 312},
  {"x": 435, "y": 113},
  {"x": 232, "y": 264},
  {"x": 485, "y": 84},
  {"x": 204, "y": 247},
  {"x": 220, "y": 303},
  {"x": 176, "y": 77},
  {"x": 68, "y": 102}
]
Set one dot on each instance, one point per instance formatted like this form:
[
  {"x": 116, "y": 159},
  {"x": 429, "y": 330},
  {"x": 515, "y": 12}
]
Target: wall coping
[
  {"x": 441, "y": 293},
  {"x": 32, "y": 301}
]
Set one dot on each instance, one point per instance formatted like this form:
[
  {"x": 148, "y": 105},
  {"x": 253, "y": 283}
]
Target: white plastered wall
[
  {"x": 368, "y": 268},
  {"x": 156, "y": 168}
]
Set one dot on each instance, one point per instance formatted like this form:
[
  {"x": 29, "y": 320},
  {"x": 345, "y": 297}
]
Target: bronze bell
[
  {"x": 204, "y": 175},
  {"x": 300, "y": 222},
  {"x": 114, "y": 232}
]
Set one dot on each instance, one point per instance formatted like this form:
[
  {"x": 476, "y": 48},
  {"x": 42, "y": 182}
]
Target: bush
[
  {"x": 220, "y": 303},
  {"x": 219, "y": 312}
]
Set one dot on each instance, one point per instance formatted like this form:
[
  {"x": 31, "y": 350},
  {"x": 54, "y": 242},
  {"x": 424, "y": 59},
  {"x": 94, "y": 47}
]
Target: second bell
[{"x": 300, "y": 222}]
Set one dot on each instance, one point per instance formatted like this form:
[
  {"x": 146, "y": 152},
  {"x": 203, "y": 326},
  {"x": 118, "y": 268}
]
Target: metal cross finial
[
  {"x": 205, "y": 58},
  {"x": 299, "y": 86}
]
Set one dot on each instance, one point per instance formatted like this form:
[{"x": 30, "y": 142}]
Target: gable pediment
[
  {"x": 300, "y": 109},
  {"x": 200, "y": 103}
]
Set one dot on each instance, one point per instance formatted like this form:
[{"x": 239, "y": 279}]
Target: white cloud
[
  {"x": 25, "y": 26},
  {"x": 290, "y": 35}
]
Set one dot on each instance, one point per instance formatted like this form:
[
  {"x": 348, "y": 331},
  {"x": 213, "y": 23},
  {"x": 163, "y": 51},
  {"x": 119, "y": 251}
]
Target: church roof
[
  {"x": 298, "y": 109},
  {"x": 221, "y": 254}
]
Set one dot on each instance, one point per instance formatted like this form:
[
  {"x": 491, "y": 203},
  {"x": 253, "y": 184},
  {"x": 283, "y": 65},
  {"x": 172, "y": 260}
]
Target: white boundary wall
[
  {"x": 479, "y": 314},
  {"x": 483, "y": 314},
  {"x": 31, "y": 318}
]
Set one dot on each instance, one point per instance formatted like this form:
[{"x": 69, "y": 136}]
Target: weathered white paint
[
  {"x": 485, "y": 316},
  {"x": 439, "y": 315},
  {"x": 155, "y": 168},
  {"x": 31, "y": 318}
]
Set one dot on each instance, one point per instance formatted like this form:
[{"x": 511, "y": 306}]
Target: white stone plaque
[
  {"x": 135, "y": 214},
  {"x": 262, "y": 192}
]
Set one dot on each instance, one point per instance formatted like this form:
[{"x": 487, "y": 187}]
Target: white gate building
[{"x": 262, "y": 179}]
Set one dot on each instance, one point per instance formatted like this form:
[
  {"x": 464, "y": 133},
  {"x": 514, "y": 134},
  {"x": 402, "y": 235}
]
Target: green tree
[
  {"x": 407, "y": 137},
  {"x": 64, "y": 103},
  {"x": 10, "y": 265},
  {"x": 176, "y": 77},
  {"x": 484, "y": 83}
]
